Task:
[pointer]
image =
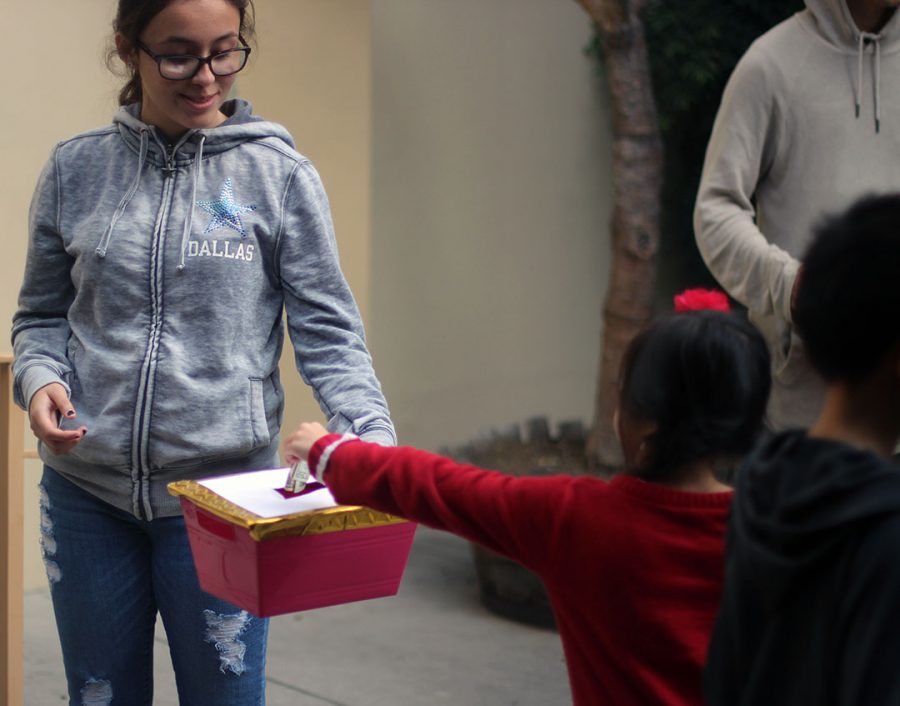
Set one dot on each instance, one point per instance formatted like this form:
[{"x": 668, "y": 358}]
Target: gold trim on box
[{"x": 332, "y": 519}]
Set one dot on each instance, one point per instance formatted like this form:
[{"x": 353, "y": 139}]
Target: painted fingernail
[
  {"x": 84, "y": 432},
  {"x": 70, "y": 413}
]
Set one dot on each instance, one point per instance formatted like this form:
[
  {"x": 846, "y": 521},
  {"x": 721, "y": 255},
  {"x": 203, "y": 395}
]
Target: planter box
[
  {"x": 323, "y": 554},
  {"x": 510, "y": 590}
]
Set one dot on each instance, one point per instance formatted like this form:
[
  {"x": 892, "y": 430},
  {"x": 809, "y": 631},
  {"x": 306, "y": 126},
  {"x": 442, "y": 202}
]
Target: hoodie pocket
[
  {"x": 102, "y": 401},
  {"x": 785, "y": 347},
  {"x": 197, "y": 423},
  {"x": 790, "y": 362},
  {"x": 73, "y": 351},
  {"x": 258, "y": 422}
]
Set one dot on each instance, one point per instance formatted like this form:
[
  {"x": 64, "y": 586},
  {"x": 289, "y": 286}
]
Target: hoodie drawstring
[
  {"x": 875, "y": 39},
  {"x": 877, "y": 86},
  {"x": 189, "y": 219},
  {"x": 103, "y": 246}
]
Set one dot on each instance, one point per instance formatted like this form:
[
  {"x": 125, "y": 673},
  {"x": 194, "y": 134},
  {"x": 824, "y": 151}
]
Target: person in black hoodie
[{"x": 810, "y": 612}]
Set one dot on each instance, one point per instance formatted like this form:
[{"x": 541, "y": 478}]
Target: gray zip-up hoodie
[
  {"x": 154, "y": 288},
  {"x": 809, "y": 121}
]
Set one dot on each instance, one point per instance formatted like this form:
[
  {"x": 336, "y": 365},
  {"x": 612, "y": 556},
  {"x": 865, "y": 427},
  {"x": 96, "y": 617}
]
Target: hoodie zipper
[{"x": 141, "y": 432}]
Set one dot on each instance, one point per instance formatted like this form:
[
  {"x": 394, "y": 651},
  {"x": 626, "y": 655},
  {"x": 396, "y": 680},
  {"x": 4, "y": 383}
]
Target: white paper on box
[{"x": 257, "y": 491}]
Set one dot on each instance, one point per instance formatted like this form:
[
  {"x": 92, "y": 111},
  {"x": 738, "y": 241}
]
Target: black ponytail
[{"x": 703, "y": 378}]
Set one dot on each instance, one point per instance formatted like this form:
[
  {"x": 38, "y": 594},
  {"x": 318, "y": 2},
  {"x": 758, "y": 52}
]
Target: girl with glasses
[{"x": 164, "y": 251}]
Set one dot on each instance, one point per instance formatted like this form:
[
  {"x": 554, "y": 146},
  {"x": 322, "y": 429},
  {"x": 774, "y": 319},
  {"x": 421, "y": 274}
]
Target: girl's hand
[
  {"x": 47, "y": 407},
  {"x": 298, "y": 444}
]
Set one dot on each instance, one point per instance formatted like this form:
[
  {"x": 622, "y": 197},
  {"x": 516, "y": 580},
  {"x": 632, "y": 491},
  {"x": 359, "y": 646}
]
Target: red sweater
[{"x": 633, "y": 569}]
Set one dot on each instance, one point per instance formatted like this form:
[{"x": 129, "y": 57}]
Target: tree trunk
[{"x": 637, "y": 180}]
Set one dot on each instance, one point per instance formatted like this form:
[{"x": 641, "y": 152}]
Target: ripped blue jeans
[{"x": 109, "y": 574}]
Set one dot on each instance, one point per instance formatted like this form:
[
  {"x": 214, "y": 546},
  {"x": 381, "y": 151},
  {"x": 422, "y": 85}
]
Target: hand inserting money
[{"x": 298, "y": 477}]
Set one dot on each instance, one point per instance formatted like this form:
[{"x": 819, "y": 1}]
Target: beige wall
[
  {"x": 310, "y": 72},
  {"x": 491, "y": 195}
]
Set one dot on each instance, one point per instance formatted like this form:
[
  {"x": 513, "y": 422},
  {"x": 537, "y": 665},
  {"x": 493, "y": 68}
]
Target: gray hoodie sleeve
[
  {"x": 322, "y": 317},
  {"x": 40, "y": 331},
  {"x": 755, "y": 271}
]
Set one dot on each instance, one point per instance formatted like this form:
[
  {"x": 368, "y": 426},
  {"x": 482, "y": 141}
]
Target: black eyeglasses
[{"x": 179, "y": 67}]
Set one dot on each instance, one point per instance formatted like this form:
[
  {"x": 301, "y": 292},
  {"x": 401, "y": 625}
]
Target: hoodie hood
[
  {"x": 152, "y": 147},
  {"x": 798, "y": 498},
  {"x": 240, "y": 126},
  {"x": 834, "y": 23}
]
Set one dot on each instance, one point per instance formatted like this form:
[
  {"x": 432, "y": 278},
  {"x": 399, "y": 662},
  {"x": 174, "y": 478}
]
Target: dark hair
[
  {"x": 132, "y": 18},
  {"x": 848, "y": 302},
  {"x": 703, "y": 378}
]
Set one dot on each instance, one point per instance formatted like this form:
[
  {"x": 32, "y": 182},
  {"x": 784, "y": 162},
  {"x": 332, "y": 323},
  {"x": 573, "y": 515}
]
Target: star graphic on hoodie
[{"x": 225, "y": 211}]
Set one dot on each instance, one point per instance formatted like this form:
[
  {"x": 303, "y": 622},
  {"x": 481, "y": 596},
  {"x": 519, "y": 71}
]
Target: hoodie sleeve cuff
[
  {"x": 33, "y": 379},
  {"x": 380, "y": 436}
]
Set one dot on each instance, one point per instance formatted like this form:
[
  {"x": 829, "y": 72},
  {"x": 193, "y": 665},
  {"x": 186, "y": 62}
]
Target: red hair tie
[{"x": 700, "y": 299}]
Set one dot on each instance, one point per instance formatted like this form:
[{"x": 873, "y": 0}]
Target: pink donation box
[{"x": 269, "y": 553}]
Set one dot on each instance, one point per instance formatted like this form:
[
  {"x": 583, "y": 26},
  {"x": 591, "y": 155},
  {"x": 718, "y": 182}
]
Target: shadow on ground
[{"x": 433, "y": 643}]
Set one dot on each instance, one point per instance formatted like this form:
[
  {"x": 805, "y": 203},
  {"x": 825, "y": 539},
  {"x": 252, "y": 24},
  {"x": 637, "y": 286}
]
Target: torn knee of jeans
[
  {"x": 48, "y": 540},
  {"x": 96, "y": 692},
  {"x": 223, "y": 631}
]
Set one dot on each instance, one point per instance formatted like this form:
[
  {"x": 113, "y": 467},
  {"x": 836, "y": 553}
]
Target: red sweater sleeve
[{"x": 517, "y": 517}]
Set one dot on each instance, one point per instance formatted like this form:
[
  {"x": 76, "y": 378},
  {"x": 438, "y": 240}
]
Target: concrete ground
[{"x": 432, "y": 644}]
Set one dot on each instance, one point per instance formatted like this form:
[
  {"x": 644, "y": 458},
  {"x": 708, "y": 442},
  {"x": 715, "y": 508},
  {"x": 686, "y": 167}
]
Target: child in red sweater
[{"x": 633, "y": 566}]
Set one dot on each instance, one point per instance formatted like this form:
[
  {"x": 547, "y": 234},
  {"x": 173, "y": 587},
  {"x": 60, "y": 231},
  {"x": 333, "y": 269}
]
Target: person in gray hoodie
[
  {"x": 809, "y": 121},
  {"x": 165, "y": 251}
]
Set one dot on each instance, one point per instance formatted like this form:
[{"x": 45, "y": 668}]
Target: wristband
[{"x": 322, "y": 463}]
